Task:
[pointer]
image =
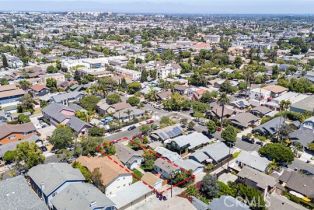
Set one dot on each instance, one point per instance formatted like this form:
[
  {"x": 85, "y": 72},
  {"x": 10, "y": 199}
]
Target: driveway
[{"x": 243, "y": 145}]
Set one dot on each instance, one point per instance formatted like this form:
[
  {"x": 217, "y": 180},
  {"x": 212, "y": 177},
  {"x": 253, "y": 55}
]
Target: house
[
  {"x": 305, "y": 105},
  {"x": 15, "y": 193},
  {"x": 57, "y": 76},
  {"x": 48, "y": 180},
  {"x": 260, "y": 94},
  {"x": 298, "y": 184},
  {"x": 189, "y": 164},
  {"x": 181, "y": 89},
  {"x": 172, "y": 156},
  {"x": 10, "y": 94},
  {"x": 83, "y": 196},
  {"x": 164, "y": 95},
  {"x": 114, "y": 175},
  {"x": 128, "y": 114},
  {"x": 13, "y": 133},
  {"x": 226, "y": 203},
  {"x": 216, "y": 111},
  {"x": 67, "y": 98},
  {"x": 13, "y": 61},
  {"x": 170, "y": 69},
  {"x": 241, "y": 104},
  {"x": 174, "y": 203},
  {"x": 167, "y": 133},
  {"x": 275, "y": 90},
  {"x": 152, "y": 180},
  {"x": 252, "y": 160},
  {"x": 260, "y": 111},
  {"x": 166, "y": 168},
  {"x": 309, "y": 75},
  {"x": 128, "y": 156},
  {"x": 189, "y": 142},
  {"x": 257, "y": 179},
  {"x": 244, "y": 120},
  {"x": 212, "y": 153},
  {"x": 131, "y": 195},
  {"x": 279, "y": 202},
  {"x": 271, "y": 127},
  {"x": 60, "y": 114},
  {"x": 305, "y": 134},
  {"x": 39, "y": 90},
  {"x": 104, "y": 108}
]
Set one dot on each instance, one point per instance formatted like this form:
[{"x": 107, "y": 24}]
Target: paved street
[{"x": 243, "y": 145}]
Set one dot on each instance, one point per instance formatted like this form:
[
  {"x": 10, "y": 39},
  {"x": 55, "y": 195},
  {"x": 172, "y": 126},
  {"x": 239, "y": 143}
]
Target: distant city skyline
[{"x": 165, "y": 6}]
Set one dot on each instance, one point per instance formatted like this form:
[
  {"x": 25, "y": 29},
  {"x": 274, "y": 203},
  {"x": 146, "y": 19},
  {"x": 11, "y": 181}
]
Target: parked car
[
  {"x": 131, "y": 128},
  {"x": 248, "y": 139}
]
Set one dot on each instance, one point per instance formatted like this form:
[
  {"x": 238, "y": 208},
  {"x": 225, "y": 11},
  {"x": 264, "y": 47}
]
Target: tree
[
  {"x": 89, "y": 102},
  {"x": 4, "y": 61},
  {"x": 113, "y": 99},
  {"x": 82, "y": 115},
  {"x": 108, "y": 148},
  {"x": 89, "y": 145},
  {"x": 223, "y": 100},
  {"x": 226, "y": 87},
  {"x": 29, "y": 154},
  {"x": 86, "y": 173},
  {"x": 253, "y": 196},
  {"x": 209, "y": 186},
  {"x": 107, "y": 84},
  {"x": 24, "y": 84},
  {"x": 145, "y": 129},
  {"x": 96, "y": 131},
  {"x": 4, "y": 81},
  {"x": 238, "y": 62},
  {"x": 51, "y": 83},
  {"x": 22, "y": 118},
  {"x": 97, "y": 179},
  {"x": 211, "y": 126},
  {"x": 51, "y": 69},
  {"x": 176, "y": 102},
  {"x": 149, "y": 160},
  {"x": 27, "y": 104},
  {"x": 191, "y": 125},
  {"x": 134, "y": 87},
  {"x": 166, "y": 121},
  {"x": 277, "y": 152},
  {"x": 208, "y": 97},
  {"x": 133, "y": 101},
  {"x": 62, "y": 137},
  {"x": 144, "y": 76},
  {"x": 9, "y": 156},
  {"x": 229, "y": 134}
]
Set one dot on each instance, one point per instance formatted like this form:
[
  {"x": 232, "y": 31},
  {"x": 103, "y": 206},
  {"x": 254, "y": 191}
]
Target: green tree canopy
[
  {"x": 62, "y": 137},
  {"x": 89, "y": 102},
  {"x": 277, "y": 152},
  {"x": 29, "y": 154},
  {"x": 113, "y": 99},
  {"x": 133, "y": 100},
  {"x": 229, "y": 134}
]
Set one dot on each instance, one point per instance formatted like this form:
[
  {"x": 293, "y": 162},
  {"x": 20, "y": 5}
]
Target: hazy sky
[{"x": 166, "y": 6}]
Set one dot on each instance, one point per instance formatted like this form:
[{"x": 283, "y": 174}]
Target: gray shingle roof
[
  {"x": 243, "y": 119},
  {"x": 253, "y": 160},
  {"x": 130, "y": 194},
  {"x": 53, "y": 175},
  {"x": 271, "y": 127},
  {"x": 227, "y": 203},
  {"x": 216, "y": 151},
  {"x": 302, "y": 135},
  {"x": 66, "y": 96},
  {"x": 194, "y": 139},
  {"x": 81, "y": 196},
  {"x": 16, "y": 194}
]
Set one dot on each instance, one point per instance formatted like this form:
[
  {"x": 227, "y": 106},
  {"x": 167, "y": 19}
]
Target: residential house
[
  {"x": 48, "y": 180},
  {"x": 15, "y": 193},
  {"x": 59, "y": 114},
  {"x": 164, "y": 95},
  {"x": 168, "y": 70},
  {"x": 271, "y": 127},
  {"x": 130, "y": 158},
  {"x": 305, "y": 105},
  {"x": 189, "y": 142},
  {"x": 83, "y": 196},
  {"x": 190, "y": 165},
  {"x": 166, "y": 168},
  {"x": 172, "y": 156},
  {"x": 39, "y": 90},
  {"x": 212, "y": 153},
  {"x": 279, "y": 202},
  {"x": 128, "y": 114},
  {"x": 114, "y": 175},
  {"x": 104, "y": 108},
  {"x": 152, "y": 180},
  {"x": 252, "y": 160},
  {"x": 226, "y": 203},
  {"x": 275, "y": 90},
  {"x": 67, "y": 98},
  {"x": 57, "y": 76},
  {"x": 181, "y": 89},
  {"x": 13, "y": 61},
  {"x": 244, "y": 120},
  {"x": 13, "y": 133},
  {"x": 257, "y": 179},
  {"x": 298, "y": 184},
  {"x": 131, "y": 195},
  {"x": 216, "y": 111},
  {"x": 305, "y": 134},
  {"x": 309, "y": 75},
  {"x": 10, "y": 94},
  {"x": 261, "y": 111},
  {"x": 167, "y": 133}
]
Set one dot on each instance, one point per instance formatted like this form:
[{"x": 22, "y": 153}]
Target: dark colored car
[
  {"x": 131, "y": 128},
  {"x": 247, "y": 139}
]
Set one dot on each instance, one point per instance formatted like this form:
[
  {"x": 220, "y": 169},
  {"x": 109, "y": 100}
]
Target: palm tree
[
  {"x": 128, "y": 112},
  {"x": 284, "y": 106},
  {"x": 223, "y": 100},
  {"x": 249, "y": 77}
]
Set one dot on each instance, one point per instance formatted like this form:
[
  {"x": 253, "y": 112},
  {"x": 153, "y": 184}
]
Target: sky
[{"x": 165, "y": 6}]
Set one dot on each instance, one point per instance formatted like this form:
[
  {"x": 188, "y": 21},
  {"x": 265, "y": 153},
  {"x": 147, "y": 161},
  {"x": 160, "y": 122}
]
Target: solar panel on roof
[
  {"x": 177, "y": 130},
  {"x": 163, "y": 136}
]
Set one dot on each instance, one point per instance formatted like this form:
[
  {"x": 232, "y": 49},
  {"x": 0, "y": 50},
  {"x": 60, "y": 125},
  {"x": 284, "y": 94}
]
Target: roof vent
[{"x": 93, "y": 203}]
